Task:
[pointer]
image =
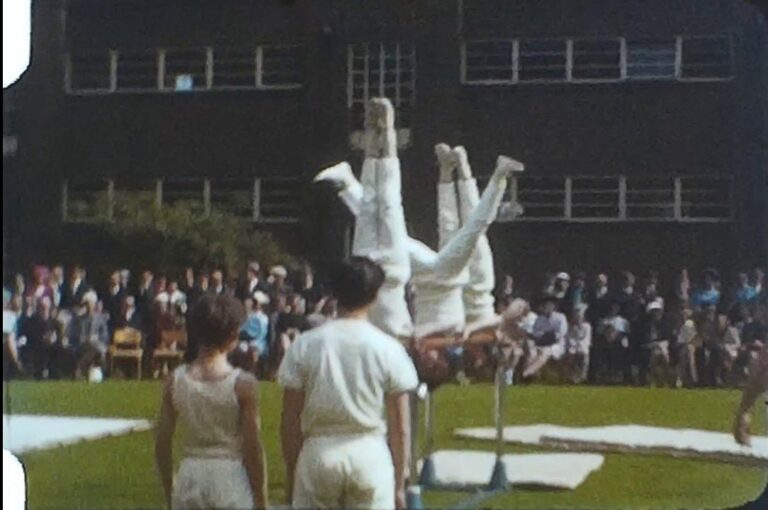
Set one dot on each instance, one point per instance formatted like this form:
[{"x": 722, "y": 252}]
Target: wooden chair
[
  {"x": 126, "y": 346},
  {"x": 170, "y": 352}
]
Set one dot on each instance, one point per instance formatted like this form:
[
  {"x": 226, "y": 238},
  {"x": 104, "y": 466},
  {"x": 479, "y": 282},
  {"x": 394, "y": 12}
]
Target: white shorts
[
  {"x": 208, "y": 484},
  {"x": 353, "y": 471}
]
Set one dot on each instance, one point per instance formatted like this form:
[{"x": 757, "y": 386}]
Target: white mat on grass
[
  {"x": 468, "y": 469},
  {"x": 704, "y": 444},
  {"x": 38, "y": 432}
]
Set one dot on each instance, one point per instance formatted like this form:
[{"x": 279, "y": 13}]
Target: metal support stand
[
  {"x": 499, "y": 480},
  {"x": 413, "y": 493},
  {"x": 427, "y": 477}
]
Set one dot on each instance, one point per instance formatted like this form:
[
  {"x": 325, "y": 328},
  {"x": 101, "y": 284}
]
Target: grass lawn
[{"x": 119, "y": 472}]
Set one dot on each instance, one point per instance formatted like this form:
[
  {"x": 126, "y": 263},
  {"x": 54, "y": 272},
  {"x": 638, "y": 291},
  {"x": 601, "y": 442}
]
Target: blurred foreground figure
[
  {"x": 757, "y": 385},
  {"x": 14, "y": 483}
]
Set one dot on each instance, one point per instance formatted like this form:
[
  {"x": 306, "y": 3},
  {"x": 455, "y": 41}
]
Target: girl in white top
[{"x": 216, "y": 407}]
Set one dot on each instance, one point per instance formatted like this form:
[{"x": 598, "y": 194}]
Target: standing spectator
[
  {"x": 575, "y": 296},
  {"x": 75, "y": 289},
  {"x": 113, "y": 298},
  {"x": 41, "y": 331},
  {"x": 686, "y": 346},
  {"x": 90, "y": 337},
  {"x": 40, "y": 287},
  {"x": 253, "y": 282},
  {"x": 172, "y": 296},
  {"x": 549, "y": 332},
  {"x": 217, "y": 286},
  {"x": 507, "y": 291},
  {"x": 188, "y": 282},
  {"x": 325, "y": 310},
  {"x": 646, "y": 339},
  {"x": 631, "y": 301},
  {"x": 145, "y": 294},
  {"x": 709, "y": 294},
  {"x": 19, "y": 285},
  {"x": 58, "y": 282},
  {"x": 202, "y": 284},
  {"x": 598, "y": 301},
  {"x": 614, "y": 333},
  {"x": 707, "y": 345},
  {"x": 745, "y": 292},
  {"x": 278, "y": 281},
  {"x": 561, "y": 286},
  {"x": 728, "y": 349},
  {"x": 578, "y": 342},
  {"x": 11, "y": 360},
  {"x": 125, "y": 280}
]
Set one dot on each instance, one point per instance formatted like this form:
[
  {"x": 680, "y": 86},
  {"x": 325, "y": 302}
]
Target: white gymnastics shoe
[{"x": 340, "y": 174}]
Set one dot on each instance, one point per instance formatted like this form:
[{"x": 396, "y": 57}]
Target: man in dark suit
[
  {"x": 113, "y": 298},
  {"x": 253, "y": 283},
  {"x": 74, "y": 290}
]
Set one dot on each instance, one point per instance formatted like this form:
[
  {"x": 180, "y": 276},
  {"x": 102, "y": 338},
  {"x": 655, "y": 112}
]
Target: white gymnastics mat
[
  {"x": 24, "y": 433},
  {"x": 702, "y": 444},
  {"x": 467, "y": 469}
]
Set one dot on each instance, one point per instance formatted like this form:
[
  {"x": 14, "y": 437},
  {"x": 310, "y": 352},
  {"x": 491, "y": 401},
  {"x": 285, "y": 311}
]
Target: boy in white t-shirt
[{"x": 346, "y": 424}]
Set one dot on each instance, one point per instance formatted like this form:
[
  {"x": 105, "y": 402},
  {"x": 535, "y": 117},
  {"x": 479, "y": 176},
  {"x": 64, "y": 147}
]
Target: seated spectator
[
  {"x": 325, "y": 310},
  {"x": 57, "y": 282},
  {"x": 200, "y": 289},
  {"x": 40, "y": 287},
  {"x": 686, "y": 345},
  {"x": 253, "y": 283},
  {"x": 507, "y": 290},
  {"x": 74, "y": 289},
  {"x": 42, "y": 339},
  {"x": 515, "y": 328},
  {"x": 90, "y": 337},
  {"x": 172, "y": 296},
  {"x": 598, "y": 301},
  {"x": 129, "y": 315},
  {"x": 613, "y": 347},
  {"x": 578, "y": 342},
  {"x": 709, "y": 294},
  {"x": 278, "y": 283},
  {"x": 254, "y": 333},
  {"x": 113, "y": 298},
  {"x": 649, "y": 343},
  {"x": 548, "y": 337},
  {"x": 575, "y": 296},
  {"x": 745, "y": 293},
  {"x": 217, "y": 285},
  {"x": 728, "y": 349},
  {"x": 708, "y": 345}
]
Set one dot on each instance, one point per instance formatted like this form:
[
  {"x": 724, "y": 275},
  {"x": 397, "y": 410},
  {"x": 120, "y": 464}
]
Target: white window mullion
[
  {"x": 568, "y": 198},
  {"x": 678, "y": 199},
  {"x": 259, "y": 66},
  {"x": 207, "y": 197},
  {"x": 256, "y": 199},
  {"x": 622, "y": 198},
  {"x": 350, "y": 76},
  {"x": 64, "y": 201},
  {"x": 161, "y": 69},
  {"x": 159, "y": 193},
  {"x": 569, "y": 60},
  {"x": 463, "y": 63},
  {"x": 515, "y": 60},
  {"x": 209, "y": 68},
  {"x": 623, "y": 57},
  {"x": 397, "y": 75},
  {"x": 68, "y": 74},
  {"x": 678, "y": 57},
  {"x": 382, "y": 69},
  {"x": 113, "y": 56},
  {"x": 366, "y": 74},
  {"x": 110, "y": 199}
]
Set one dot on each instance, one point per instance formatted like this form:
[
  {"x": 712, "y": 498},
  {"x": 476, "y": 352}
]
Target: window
[
  {"x": 705, "y": 198},
  {"x": 597, "y": 60},
  {"x": 185, "y": 70},
  {"x": 234, "y": 68},
  {"x": 86, "y": 201},
  {"x": 277, "y": 200},
  {"x": 132, "y": 194},
  {"x": 387, "y": 70},
  {"x": 89, "y": 71},
  {"x": 280, "y": 66},
  {"x": 650, "y": 198},
  {"x": 190, "y": 192},
  {"x": 706, "y": 58},
  {"x": 137, "y": 70},
  {"x": 489, "y": 62},
  {"x": 233, "y": 196},
  {"x": 594, "y": 197},
  {"x": 542, "y": 60},
  {"x": 542, "y": 197},
  {"x": 651, "y": 59}
]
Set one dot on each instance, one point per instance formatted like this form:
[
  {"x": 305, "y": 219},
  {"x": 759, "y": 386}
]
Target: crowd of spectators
[
  {"x": 630, "y": 331},
  {"x": 603, "y": 330},
  {"x": 57, "y": 326}
]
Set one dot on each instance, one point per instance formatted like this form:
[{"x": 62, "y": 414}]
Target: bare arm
[
  {"x": 757, "y": 384},
  {"x": 399, "y": 437},
  {"x": 291, "y": 436},
  {"x": 166, "y": 426},
  {"x": 253, "y": 453}
]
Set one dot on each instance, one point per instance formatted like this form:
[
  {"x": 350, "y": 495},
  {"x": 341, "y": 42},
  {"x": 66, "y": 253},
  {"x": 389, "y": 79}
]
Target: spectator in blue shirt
[
  {"x": 254, "y": 333},
  {"x": 745, "y": 293},
  {"x": 709, "y": 294}
]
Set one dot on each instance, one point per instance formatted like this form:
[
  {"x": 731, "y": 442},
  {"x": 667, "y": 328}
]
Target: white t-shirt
[
  {"x": 9, "y": 322},
  {"x": 346, "y": 367}
]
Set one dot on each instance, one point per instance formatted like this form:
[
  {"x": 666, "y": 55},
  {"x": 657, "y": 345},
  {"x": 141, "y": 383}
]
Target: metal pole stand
[
  {"x": 427, "y": 477},
  {"x": 499, "y": 480}
]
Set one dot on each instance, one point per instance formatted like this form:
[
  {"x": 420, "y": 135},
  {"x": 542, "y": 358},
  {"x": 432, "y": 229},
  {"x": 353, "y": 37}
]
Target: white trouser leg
[
  {"x": 448, "y": 219},
  {"x": 380, "y": 234},
  {"x": 478, "y": 294}
]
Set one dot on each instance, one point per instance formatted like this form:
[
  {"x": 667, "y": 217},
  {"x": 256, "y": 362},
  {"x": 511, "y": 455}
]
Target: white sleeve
[
  {"x": 401, "y": 374},
  {"x": 290, "y": 374}
]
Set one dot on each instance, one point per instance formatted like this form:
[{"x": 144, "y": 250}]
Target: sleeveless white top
[{"x": 208, "y": 415}]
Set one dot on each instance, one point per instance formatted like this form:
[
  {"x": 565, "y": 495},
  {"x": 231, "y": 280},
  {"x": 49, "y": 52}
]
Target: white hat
[
  {"x": 278, "y": 271},
  {"x": 563, "y": 276},
  {"x": 261, "y": 298},
  {"x": 655, "y": 305},
  {"x": 90, "y": 297}
]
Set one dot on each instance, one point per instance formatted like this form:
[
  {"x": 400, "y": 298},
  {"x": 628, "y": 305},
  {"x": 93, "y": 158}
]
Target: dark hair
[
  {"x": 356, "y": 282},
  {"x": 214, "y": 321}
]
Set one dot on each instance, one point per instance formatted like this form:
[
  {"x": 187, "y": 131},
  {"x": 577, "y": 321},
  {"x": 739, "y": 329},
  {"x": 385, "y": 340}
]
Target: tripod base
[
  {"x": 427, "y": 477},
  {"x": 499, "y": 480}
]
